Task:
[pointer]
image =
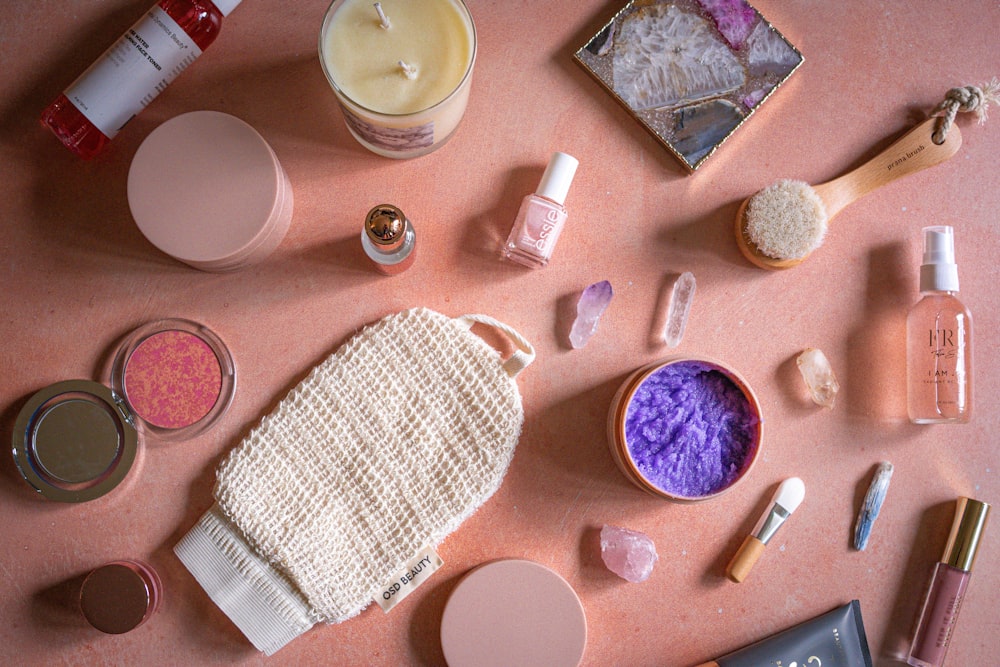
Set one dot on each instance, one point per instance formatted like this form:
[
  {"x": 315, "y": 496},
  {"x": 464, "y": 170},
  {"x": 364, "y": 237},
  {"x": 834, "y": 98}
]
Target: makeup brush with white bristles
[{"x": 786, "y": 500}]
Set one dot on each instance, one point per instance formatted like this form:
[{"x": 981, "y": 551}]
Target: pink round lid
[
  {"x": 513, "y": 612},
  {"x": 205, "y": 188}
]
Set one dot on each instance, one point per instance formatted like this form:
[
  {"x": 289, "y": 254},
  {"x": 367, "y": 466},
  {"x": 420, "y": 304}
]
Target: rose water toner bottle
[
  {"x": 131, "y": 73},
  {"x": 939, "y": 339}
]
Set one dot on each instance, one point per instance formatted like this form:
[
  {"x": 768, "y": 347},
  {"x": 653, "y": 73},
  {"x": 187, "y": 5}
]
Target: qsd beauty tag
[{"x": 416, "y": 571}]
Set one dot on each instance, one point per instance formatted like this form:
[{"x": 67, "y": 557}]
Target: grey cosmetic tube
[{"x": 835, "y": 639}]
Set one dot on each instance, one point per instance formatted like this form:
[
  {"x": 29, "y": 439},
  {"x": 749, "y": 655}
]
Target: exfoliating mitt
[{"x": 383, "y": 450}]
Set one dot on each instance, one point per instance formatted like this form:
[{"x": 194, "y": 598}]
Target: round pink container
[
  {"x": 205, "y": 188},
  {"x": 513, "y": 612}
]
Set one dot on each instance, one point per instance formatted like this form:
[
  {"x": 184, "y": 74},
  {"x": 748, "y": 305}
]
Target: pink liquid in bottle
[
  {"x": 939, "y": 616},
  {"x": 104, "y": 89}
]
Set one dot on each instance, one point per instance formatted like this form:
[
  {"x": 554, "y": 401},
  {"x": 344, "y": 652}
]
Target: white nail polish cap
[{"x": 558, "y": 177}]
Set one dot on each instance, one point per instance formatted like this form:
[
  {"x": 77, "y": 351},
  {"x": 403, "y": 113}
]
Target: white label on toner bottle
[
  {"x": 404, "y": 582},
  {"x": 133, "y": 71}
]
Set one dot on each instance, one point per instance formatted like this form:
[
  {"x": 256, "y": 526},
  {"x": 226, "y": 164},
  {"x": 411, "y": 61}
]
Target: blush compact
[{"x": 76, "y": 440}]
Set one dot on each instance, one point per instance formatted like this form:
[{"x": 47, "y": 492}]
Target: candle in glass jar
[{"x": 401, "y": 70}]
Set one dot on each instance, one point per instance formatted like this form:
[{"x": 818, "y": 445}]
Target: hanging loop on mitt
[
  {"x": 975, "y": 99},
  {"x": 522, "y": 357}
]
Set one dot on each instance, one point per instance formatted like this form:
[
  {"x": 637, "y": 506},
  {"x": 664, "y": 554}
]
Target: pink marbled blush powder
[{"x": 173, "y": 379}]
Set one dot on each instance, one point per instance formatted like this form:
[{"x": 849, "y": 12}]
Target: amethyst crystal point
[
  {"x": 589, "y": 308},
  {"x": 628, "y": 553},
  {"x": 733, "y": 18}
]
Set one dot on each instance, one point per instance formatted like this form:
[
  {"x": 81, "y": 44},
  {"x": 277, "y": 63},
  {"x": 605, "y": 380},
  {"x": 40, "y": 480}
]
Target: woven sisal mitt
[{"x": 384, "y": 449}]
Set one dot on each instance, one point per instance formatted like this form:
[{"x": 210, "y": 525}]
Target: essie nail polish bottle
[
  {"x": 133, "y": 71},
  {"x": 939, "y": 339},
  {"x": 939, "y": 615},
  {"x": 542, "y": 215},
  {"x": 388, "y": 239}
]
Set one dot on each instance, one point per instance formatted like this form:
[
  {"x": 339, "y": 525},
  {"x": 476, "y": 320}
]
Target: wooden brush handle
[
  {"x": 749, "y": 552},
  {"x": 913, "y": 152}
]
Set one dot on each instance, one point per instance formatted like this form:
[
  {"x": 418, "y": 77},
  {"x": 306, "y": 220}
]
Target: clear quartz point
[
  {"x": 589, "y": 309},
  {"x": 819, "y": 377},
  {"x": 679, "y": 309}
]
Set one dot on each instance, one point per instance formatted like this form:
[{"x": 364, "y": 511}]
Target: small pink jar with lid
[
  {"x": 207, "y": 189},
  {"x": 118, "y": 597}
]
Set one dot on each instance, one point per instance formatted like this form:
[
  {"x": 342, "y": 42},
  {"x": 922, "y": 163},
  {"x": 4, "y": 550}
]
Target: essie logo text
[{"x": 550, "y": 220}]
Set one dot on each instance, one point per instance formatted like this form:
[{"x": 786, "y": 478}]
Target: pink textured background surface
[{"x": 77, "y": 276}]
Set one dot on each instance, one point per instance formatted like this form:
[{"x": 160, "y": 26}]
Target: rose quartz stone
[{"x": 628, "y": 553}]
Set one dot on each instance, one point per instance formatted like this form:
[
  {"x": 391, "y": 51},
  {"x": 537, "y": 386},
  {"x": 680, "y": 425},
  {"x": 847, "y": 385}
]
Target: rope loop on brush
[{"x": 974, "y": 99}]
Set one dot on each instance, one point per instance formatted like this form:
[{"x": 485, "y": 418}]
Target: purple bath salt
[{"x": 690, "y": 430}]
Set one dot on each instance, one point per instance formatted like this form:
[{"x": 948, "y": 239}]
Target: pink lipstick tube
[{"x": 939, "y": 615}]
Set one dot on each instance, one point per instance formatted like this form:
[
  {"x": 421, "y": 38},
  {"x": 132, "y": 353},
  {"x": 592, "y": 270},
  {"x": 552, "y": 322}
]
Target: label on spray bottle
[{"x": 130, "y": 74}]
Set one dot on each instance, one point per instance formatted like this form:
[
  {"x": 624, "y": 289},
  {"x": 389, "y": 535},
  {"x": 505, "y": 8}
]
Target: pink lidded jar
[
  {"x": 207, "y": 189},
  {"x": 119, "y": 597}
]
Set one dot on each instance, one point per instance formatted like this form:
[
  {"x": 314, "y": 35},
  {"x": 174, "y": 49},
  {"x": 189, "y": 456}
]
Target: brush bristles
[{"x": 786, "y": 220}]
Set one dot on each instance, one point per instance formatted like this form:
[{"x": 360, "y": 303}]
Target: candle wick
[
  {"x": 409, "y": 70},
  {"x": 385, "y": 25}
]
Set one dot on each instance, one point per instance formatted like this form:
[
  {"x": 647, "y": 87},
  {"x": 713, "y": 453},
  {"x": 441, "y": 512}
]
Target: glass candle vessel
[{"x": 401, "y": 70}]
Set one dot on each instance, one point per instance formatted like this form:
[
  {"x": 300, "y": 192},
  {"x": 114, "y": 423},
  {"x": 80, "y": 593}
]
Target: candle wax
[{"x": 362, "y": 57}]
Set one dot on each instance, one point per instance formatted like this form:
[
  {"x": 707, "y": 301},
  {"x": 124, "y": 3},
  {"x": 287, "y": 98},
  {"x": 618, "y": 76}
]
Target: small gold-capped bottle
[{"x": 388, "y": 239}]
